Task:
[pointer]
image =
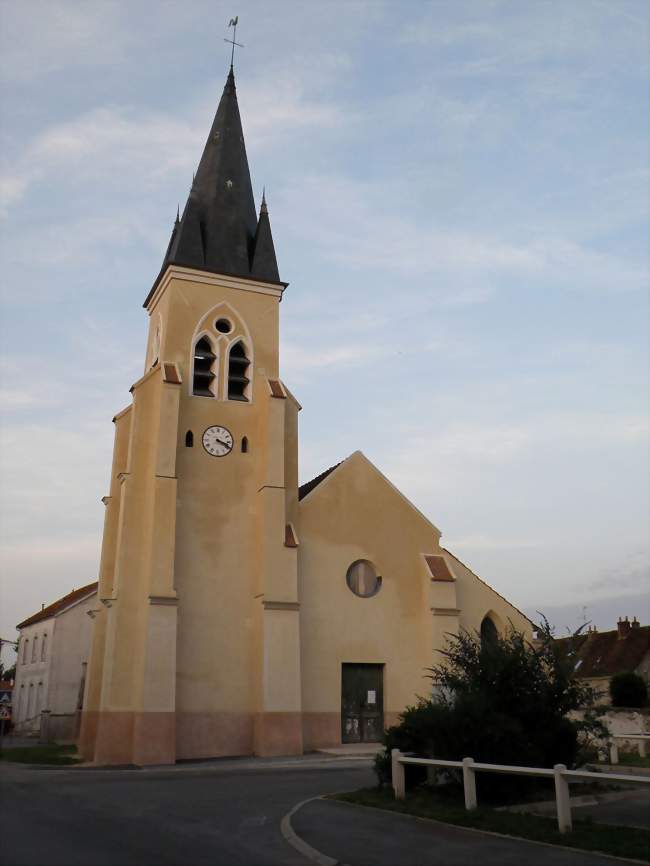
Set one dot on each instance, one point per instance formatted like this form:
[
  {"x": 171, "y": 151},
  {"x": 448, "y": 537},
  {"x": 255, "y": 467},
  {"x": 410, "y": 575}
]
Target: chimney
[
  {"x": 636, "y": 623},
  {"x": 624, "y": 626},
  {"x": 42, "y": 607}
]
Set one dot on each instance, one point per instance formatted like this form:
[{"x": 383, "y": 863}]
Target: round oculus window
[
  {"x": 223, "y": 326},
  {"x": 362, "y": 578}
]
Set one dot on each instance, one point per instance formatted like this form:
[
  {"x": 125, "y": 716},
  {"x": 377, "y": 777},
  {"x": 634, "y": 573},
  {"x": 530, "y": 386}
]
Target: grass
[
  {"x": 633, "y": 759},
  {"x": 586, "y": 835},
  {"x": 42, "y": 754}
]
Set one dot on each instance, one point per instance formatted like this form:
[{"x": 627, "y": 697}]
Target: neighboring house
[
  {"x": 241, "y": 613},
  {"x": 601, "y": 655},
  {"x": 6, "y": 691},
  {"x": 50, "y": 669}
]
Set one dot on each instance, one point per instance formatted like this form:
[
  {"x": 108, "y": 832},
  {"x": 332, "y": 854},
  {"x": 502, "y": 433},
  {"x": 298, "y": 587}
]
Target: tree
[
  {"x": 628, "y": 690},
  {"x": 502, "y": 701}
]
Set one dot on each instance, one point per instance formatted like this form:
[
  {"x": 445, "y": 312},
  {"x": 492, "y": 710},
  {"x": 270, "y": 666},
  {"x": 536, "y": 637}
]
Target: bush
[
  {"x": 499, "y": 702},
  {"x": 628, "y": 690}
]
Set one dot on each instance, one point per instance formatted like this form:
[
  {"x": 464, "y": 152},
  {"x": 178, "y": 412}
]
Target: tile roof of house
[
  {"x": 308, "y": 486},
  {"x": 603, "y": 654},
  {"x": 59, "y": 605}
]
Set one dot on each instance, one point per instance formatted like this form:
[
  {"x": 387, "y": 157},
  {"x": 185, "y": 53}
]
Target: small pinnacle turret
[{"x": 219, "y": 230}]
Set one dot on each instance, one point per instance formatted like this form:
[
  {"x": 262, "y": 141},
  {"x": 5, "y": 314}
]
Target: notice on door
[{"x": 372, "y": 697}]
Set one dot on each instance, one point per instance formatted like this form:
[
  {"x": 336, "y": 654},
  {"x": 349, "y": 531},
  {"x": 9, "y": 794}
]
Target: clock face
[{"x": 217, "y": 441}]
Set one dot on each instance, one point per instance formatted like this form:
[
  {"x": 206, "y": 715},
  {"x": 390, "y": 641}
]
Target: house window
[
  {"x": 363, "y": 579},
  {"x": 189, "y": 439},
  {"x": 34, "y": 646},
  {"x": 237, "y": 368},
  {"x": 204, "y": 359},
  {"x": 44, "y": 648}
]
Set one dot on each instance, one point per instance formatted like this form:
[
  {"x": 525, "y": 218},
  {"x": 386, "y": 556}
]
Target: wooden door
[{"x": 362, "y": 703}]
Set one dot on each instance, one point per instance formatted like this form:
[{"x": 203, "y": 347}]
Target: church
[{"x": 238, "y": 612}]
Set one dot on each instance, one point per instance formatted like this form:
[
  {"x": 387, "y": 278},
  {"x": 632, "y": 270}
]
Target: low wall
[{"x": 59, "y": 727}]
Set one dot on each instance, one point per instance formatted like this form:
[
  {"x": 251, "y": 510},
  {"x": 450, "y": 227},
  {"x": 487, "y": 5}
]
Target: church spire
[
  {"x": 264, "y": 263},
  {"x": 218, "y": 228}
]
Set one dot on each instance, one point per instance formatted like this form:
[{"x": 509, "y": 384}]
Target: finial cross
[{"x": 233, "y": 23}]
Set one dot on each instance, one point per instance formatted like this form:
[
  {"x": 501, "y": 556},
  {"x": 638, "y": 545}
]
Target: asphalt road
[
  {"x": 174, "y": 818},
  {"x": 227, "y": 814}
]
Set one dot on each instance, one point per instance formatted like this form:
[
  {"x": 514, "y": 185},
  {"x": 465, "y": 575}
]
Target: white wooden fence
[
  {"x": 469, "y": 767},
  {"x": 639, "y": 739}
]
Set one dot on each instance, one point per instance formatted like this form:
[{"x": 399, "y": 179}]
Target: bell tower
[{"x": 196, "y": 644}]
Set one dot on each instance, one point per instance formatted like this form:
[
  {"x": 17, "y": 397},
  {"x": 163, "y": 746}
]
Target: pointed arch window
[
  {"x": 489, "y": 633},
  {"x": 189, "y": 439},
  {"x": 238, "y": 365},
  {"x": 204, "y": 359}
]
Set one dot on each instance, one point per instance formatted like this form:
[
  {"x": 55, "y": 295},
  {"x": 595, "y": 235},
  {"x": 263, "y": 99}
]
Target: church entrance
[{"x": 362, "y": 703}]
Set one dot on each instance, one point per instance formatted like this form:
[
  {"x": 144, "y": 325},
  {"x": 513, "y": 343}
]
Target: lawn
[
  {"x": 633, "y": 759},
  {"x": 586, "y": 835},
  {"x": 41, "y": 754}
]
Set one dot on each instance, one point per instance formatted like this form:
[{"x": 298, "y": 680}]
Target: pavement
[
  {"x": 630, "y": 809},
  {"x": 369, "y": 837},
  {"x": 229, "y": 813}
]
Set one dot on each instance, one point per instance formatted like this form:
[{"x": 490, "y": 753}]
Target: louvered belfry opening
[
  {"x": 237, "y": 369},
  {"x": 204, "y": 359}
]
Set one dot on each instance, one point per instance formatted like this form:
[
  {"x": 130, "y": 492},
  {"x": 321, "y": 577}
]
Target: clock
[{"x": 217, "y": 441}]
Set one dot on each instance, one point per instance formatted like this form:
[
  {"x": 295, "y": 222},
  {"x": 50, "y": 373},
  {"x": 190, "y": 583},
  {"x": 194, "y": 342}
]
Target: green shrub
[
  {"x": 500, "y": 702},
  {"x": 628, "y": 690}
]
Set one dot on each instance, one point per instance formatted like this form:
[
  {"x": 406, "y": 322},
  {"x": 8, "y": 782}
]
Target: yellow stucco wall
[
  {"x": 356, "y": 513},
  {"x": 214, "y": 636}
]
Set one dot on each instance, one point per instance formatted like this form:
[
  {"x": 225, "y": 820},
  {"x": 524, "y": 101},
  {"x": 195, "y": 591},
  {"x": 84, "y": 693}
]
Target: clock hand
[{"x": 221, "y": 442}]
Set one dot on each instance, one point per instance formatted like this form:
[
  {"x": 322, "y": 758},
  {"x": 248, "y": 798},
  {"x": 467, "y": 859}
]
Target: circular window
[
  {"x": 223, "y": 326},
  {"x": 362, "y": 578}
]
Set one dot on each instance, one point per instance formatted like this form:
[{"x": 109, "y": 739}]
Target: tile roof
[
  {"x": 308, "y": 486},
  {"x": 290, "y": 539},
  {"x": 603, "y": 654},
  {"x": 59, "y": 605},
  {"x": 439, "y": 568}
]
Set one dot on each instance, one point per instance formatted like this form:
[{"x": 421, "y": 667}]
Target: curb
[
  {"x": 299, "y": 844},
  {"x": 324, "y": 860},
  {"x": 244, "y": 765}
]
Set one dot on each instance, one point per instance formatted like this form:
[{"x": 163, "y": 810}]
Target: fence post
[
  {"x": 469, "y": 783},
  {"x": 613, "y": 752},
  {"x": 562, "y": 799},
  {"x": 642, "y": 748},
  {"x": 399, "y": 780}
]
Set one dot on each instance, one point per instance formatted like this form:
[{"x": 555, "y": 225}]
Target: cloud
[
  {"x": 120, "y": 144},
  {"x": 394, "y": 242}
]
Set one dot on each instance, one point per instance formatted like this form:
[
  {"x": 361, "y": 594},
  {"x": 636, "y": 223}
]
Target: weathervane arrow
[{"x": 233, "y": 23}]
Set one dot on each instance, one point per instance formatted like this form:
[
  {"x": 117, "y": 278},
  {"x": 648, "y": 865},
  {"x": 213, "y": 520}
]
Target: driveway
[{"x": 228, "y": 814}]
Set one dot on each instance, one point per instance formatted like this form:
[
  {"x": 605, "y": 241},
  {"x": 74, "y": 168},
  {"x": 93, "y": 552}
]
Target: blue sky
[{"x": 459, "y": 199}]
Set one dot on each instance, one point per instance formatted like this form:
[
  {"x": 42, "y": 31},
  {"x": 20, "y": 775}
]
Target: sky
[{"x": 459, "y": 198}]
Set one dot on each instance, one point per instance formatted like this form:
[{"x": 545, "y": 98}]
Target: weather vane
[{"x": 233, "y": 23}]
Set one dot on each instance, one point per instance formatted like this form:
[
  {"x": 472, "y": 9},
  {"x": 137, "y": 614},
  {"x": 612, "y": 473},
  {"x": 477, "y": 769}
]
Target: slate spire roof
[{"x": 219, "y": 230}]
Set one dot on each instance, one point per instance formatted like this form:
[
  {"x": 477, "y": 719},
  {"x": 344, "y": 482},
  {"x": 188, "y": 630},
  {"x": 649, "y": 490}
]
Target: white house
[{"x": 50, "y": 670}]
